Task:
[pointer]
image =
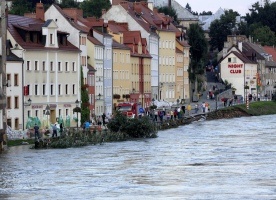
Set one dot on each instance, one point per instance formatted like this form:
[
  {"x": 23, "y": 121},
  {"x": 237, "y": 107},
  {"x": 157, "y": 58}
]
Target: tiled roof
[
  {"x": 94, "y": 41},
  {"x": 243, "y": 58},
  {"x": 91, "y": 68},
  {"x": 71, "y": 20},
  {"x": 117, "y": 45},
  {"x": 250, "y": 50},
  {"x": 271, "y": 50},
  {"x": 16, "y": 23},
  {"x": 178, "y": 51}
]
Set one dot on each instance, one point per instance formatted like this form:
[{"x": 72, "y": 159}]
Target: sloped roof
[
  {"x": 117, "y": 45},
  {"x": 183, "y": 13},
  {"x": 71, "y": 20},
  {"x": 243, "y": 58},
  {"x": 271, "y": 50},
  {"x": 94, "y": 41},
  {"x": 16, "y": 23},
  {"x": 250, "y": 49},
  {"x": 206, "y": 20}
]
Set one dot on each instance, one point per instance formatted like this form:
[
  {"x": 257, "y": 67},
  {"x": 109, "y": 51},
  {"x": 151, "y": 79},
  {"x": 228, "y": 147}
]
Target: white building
[
  {"x": 51, "y": 73},
  {"x": 239, "y": 71}
]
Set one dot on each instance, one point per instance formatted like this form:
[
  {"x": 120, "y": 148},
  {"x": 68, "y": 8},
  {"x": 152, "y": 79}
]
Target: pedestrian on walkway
[
  {"x": 36, "y": 129},
  {"x": 171, "y": 114},
  {"x": 54, "y": 131},
  {"x": 189, "y": 108},
  {"x": 203, "y": 107},
  {"x": 196, "y": 108},
  {"x": 155, "y": 115}
]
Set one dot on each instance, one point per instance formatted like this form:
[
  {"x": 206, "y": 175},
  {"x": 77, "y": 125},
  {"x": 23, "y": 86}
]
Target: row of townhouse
[{"x": 141, "y": 58}]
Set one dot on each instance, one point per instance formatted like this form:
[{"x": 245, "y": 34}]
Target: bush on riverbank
[{"x": 134, "y": 128}]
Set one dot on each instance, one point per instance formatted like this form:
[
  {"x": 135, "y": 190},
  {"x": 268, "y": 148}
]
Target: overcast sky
[{"x": 241, "y": 6}]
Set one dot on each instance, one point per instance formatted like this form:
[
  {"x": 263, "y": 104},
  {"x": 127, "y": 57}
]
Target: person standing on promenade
[
  {"x": 189, "y": 108},
  {"x": 196, "y": 108},
  {"x": 54, "y": 131},
  {"x": 203, "y": 107},
  {"x": 36, "y": 129}
]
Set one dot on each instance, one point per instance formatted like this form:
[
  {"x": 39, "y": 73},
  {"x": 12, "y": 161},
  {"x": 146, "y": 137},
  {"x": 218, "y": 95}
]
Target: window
[
  {"x": 51, "y": 39},
  {"x": 8, "y": 102},
  {"x": 16, "y": 102},
  {"x": 59, "y": 66},
  {"x": 29, "y": 113},
  {"x": 83, "y": 60},
  {"x": 16, "y": 123},
  {"x": 9, "y": 122},
  {"x": 73, "y": 88},
  {"x": 66, "y": 89},
  {"x": 59, "y": 89},
  {"x": 82, "y": 40},
  {"x": 51, "y": 66},
  {"x": 91, "y": 80},
  {"x": 28, "y": 65},
  {"x": 74, "y": 66},
  {"x": 36, "y": 89},
  {"x": 16, "y": 80},
  {"x": 66, "y": 112},
  {"x": 59, "y": 112},
  {"x": 66, "y": 67},
  {"x": 43, "y": 66},
  {"x": 229, "y": 59},
  {"x": 44, "y": 89},
  {"x": 36, "y": 113},
  {"x": 52, "y": 89},
  {"x": 8, "y": 78},
  {"x": 36, "y": 66}
]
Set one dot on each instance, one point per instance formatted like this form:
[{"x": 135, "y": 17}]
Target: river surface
[{"x": 223, "y": 159}]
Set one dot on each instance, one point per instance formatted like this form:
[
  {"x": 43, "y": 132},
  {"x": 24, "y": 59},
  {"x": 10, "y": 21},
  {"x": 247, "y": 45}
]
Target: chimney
[
  {"x": 117, "y": 2},
  {"x": 240, "y": 46},
  {"x": 103, "y": 11},
  {"x": 39, "y": 11}
]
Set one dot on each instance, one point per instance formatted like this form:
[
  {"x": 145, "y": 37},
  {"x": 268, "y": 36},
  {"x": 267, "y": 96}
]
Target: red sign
[{"x": 235, "y": 65}]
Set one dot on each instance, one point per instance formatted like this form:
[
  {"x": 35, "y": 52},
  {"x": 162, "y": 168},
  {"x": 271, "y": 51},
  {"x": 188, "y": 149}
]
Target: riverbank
[{"x": 255, "y": 109}]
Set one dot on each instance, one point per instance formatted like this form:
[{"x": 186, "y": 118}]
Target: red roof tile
[{"x": 271, "y": 50}]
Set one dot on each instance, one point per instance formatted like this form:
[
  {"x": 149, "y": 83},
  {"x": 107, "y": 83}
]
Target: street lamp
[
  {"x": 28, "y": 103},
  {"x": 99, "y": 96},
  {"x": 77, "y": 110},
  {"x": 246, "y": 87}
]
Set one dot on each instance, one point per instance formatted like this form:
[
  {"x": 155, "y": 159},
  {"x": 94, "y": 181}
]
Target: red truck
[{"x": 131, "y": 110}]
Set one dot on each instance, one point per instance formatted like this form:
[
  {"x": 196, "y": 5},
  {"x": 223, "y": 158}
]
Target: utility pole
[{"x": 3, "y": 104}]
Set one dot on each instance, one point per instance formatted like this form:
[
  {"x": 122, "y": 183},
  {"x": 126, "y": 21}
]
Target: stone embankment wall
[{"x": 226, "y": 114}]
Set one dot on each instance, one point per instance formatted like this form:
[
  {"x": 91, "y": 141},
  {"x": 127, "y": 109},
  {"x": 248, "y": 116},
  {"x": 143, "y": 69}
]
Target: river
[{"x": 223, "y": 159}]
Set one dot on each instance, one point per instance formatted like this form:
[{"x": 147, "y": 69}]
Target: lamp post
[
  {"x": 27, "y": 103},
  {"x": 99, "y": 96},
  {"x": 77, "y": 110},
  {"x": 47, "y": 112},
  {"x": 246, "y": 87}
]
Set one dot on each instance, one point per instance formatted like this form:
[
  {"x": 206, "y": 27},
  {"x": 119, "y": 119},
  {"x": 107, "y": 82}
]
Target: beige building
[{"x": 51, "y": 69}]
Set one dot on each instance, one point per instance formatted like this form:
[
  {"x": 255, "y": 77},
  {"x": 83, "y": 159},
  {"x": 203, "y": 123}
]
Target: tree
[
  {"x": 19, "y": 7},
  {"x": 169, "y": 11},
  {"x": 188, "y": 7},
  {"x": 198, "y": 50},
  {"x": 94, "y": 7},
  {"x": 206, "y": 13},
  {"x": 69, "y": 4},
  {"x": 85, "y": 112},
  {"x": 264, "y": 35},
  {"x": 220, "y": 29},
  {"x": 265, "y": 15}
]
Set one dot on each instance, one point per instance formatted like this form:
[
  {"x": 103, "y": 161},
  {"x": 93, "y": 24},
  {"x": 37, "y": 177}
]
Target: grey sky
[{"x": 241, "y": 6}]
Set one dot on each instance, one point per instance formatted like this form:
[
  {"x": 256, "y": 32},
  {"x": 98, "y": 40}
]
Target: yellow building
[
  {"x": 182, "y": 65},
  {"x": 167, "y": 65},
  {"x": 121, "y": 73}
]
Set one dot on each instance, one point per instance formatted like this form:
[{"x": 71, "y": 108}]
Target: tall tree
[
  {"x": 69, "y": 4},
  {"x": 219, "y": 29},
  {"x": 264, "y": 35},
  {"x": 94, "y": 7},
  {"x": 198, "y": 50},
  {"x": 84, "y": 101},
  {"x": 19, "y": 7},
  {"x": 188, "y": 7}
]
